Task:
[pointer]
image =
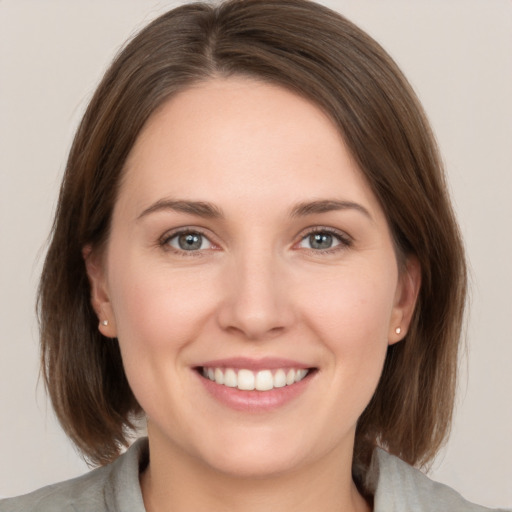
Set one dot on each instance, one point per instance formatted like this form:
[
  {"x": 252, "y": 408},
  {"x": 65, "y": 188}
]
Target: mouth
[
  {"x": 259, "y": 385},
  {"x": 246, "y": 379}
]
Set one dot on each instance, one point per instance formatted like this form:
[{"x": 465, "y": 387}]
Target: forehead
[{"x": 240, "y": 137}]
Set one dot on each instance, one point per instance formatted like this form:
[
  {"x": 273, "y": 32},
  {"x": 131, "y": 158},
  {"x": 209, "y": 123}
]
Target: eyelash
[
  {"x": 165, "y": 239},
  {"x": 345, "y": 241}
]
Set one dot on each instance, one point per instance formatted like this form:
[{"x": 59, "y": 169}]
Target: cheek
[
  {"x": 351, "y": 316},
  {"x": 355, "y": 307},
  {"x": 158, "y": 313},
  {"x": 155, "y": 306}
]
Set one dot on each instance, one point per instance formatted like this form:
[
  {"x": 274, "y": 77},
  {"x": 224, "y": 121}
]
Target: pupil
[
  {"x": 320, "y": 241},
  {"x": 190, "y": 242}
]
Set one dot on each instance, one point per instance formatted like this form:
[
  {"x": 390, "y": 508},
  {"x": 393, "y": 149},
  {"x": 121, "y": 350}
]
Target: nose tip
[
  {"x": 256, "y": 305},
  {"x": 253, "y": 328}
]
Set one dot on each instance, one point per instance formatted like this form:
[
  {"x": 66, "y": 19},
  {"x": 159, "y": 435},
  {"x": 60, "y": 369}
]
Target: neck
[{"x": 177, "y": 482}]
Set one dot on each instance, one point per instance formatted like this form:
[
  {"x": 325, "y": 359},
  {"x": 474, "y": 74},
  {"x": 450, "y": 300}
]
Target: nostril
[{"x": 255, "y": 310}]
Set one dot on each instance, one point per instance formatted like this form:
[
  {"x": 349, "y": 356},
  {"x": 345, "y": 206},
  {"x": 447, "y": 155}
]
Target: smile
[{"x": 248, "y": 380}]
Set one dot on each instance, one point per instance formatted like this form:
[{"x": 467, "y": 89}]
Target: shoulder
[
  {"x": 70, "y": 495},
  {"x": 108, "y": 488},
  {"x": 399, "y": 487}
]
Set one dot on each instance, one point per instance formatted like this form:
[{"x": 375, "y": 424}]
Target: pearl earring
[
  {"x": 105, "y": 322},
  {"x": 398, "y": 330}
]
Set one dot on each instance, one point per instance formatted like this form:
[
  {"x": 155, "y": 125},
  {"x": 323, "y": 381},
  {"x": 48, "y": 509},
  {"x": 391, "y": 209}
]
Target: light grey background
[{"x": 458, "y": 56}]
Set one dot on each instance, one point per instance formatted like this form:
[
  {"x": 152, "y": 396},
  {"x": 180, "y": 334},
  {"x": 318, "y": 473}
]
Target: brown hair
[{"x": 320, "y": 55}]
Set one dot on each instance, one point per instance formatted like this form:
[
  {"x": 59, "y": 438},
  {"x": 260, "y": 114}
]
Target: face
[{"x": 247, "y": 251}]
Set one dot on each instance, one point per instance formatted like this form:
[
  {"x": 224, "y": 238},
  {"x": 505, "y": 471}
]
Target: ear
[
  {"x": 100, "y": 298},
  {"x": 408, "y": 287}
]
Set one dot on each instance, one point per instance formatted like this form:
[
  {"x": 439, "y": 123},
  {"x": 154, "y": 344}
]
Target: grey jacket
[{"x": 396, "y": 486}]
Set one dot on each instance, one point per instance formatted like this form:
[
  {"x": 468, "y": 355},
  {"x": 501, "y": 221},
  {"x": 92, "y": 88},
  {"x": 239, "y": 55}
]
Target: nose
[{"x": 256, "y": 301}]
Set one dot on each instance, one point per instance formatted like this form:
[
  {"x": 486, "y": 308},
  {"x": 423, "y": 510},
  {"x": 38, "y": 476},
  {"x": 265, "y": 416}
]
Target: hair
[{"x": 318, "y": 54}]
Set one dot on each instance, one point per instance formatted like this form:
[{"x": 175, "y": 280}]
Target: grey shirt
[{"x": 396, "y": 486}]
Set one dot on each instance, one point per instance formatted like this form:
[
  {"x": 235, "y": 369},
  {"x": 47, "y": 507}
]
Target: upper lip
[{"x": 265, "y": 363}]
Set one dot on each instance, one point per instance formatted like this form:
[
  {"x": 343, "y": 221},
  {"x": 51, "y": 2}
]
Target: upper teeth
[{"x": 247, "y": 380}]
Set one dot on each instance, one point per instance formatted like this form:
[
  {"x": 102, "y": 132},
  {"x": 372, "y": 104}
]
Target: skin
[{"x": 255, "y": 288}]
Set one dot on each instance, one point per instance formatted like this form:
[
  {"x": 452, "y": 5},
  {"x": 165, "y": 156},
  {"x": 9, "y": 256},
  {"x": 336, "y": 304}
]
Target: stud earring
[
  {"x": 105, "y": 322},
  {"x": 398, "y": 330}
]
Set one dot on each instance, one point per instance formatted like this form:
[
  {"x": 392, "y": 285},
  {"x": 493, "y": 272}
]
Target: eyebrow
[
  {"x": 210, "y": 211},
  {"x": 327, "y": 205},
  {"x": 198, "y": 208}
]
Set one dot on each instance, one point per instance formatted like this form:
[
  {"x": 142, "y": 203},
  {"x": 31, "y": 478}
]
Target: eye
[
  {"x": 188, "y": 241},
  {"x": 323, "y": 240}
]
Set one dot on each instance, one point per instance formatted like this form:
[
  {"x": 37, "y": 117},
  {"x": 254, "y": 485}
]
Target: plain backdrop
[{"x": 458, "y": 56}]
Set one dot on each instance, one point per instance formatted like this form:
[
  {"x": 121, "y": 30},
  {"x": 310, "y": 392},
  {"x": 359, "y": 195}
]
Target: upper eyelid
[
  {"x": 164, "y": 243},
  {"x": 342, "y": 235},
  {"x": 325, "y": 229},
  {"x": 345, "y": 241},
  {"x": 186, "y": 229}
]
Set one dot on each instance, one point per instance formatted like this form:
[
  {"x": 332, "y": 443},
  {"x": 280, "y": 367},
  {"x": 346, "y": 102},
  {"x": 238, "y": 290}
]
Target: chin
[
  {"x": 261, "y": 454},
  {"x": 264, "y": 464}
]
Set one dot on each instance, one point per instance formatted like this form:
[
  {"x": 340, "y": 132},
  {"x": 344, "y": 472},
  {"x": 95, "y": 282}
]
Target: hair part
[{"x": 319, "y": 55}]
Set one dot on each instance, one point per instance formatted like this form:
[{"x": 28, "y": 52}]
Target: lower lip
[{"x": 255, "y": 401}]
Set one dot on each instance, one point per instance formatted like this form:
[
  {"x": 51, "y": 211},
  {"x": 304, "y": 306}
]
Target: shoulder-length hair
[{"x": 319, "y": 55}]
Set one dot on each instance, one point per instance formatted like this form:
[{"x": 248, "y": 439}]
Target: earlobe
[
  {"x": 100, "y": 298},
  {"x": 405, "y": 300}
]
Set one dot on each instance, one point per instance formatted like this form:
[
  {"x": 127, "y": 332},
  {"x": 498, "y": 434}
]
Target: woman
[{"x": 254, "y": 247}]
